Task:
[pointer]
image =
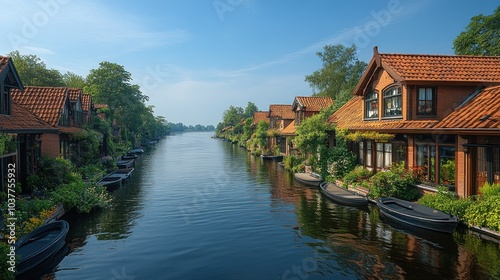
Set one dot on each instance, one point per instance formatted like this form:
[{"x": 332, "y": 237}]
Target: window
[
  {"x": 426, "y": 101},
  {"x": 371, "y": 105},
  {"x": 4, "y": 101},
  {"x": 435, "y": 160},
  {"x": 393, "y": 102},
  {"x": 368, "y": 154},
  {"x": 64, "y": 121},
  {"x": 361, "y": 153},
  {"x": 384, "y": 155}
]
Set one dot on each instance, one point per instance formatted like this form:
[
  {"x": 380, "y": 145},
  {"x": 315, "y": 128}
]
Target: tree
[
  {"x": 481, "y": 37},
  {"x": 232, "y": 116},
  {"x": 73, "y": 80},
  {"x": 340, "y": 73},
  {"x": 250, "y": 110},
  {"x": 34, "y": 72}
]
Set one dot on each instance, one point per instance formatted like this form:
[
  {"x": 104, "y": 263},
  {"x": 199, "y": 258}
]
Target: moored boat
[
  {"x": 282, "y": 164},
  {"x": 129, "y": 156},
  {"x": 111, "y": 182},
  {"x": 308, "y": 178},
  {"x": 416, "y": 215},
  {"x": 125, "y": 163},
  {"x": 123, "y": 173},
  {"x": 136, "y": 150},
  {"x": 40, "y": 245},
  {"x": 343, "y": 196}
]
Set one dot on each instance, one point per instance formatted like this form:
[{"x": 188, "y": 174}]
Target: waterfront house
[
  {"x": 53, "y": 105},
  {"x": 303, "y": 107},
  {"x": 437, "y": 113},
  {"x": 260, "y": 116},
  {"x": 280, "y": 116},
  {"x": 21, "y": 130}
]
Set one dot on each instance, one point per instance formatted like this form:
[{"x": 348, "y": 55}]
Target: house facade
[
  {"x": 419, "y": 103},
  {"x": 22, "y": 128},
  {"x": 280, "y": 116},
  {"x": 54, "y": 106}
]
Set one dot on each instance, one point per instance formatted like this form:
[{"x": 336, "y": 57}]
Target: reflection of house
[
  {"x": 18, "y": 122},
  {"x": 53, "y": 105},
  {"x": 433, "y": 106}
]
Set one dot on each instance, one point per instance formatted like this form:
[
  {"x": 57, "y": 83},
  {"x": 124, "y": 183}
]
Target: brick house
[
  {"x": 303, "y": 107},
  {"x": 280, "y": 116},
  {"x": 433, "y": 106},
  {"x": 17, "y": 122},
  {"x": 53, "y": 105}
]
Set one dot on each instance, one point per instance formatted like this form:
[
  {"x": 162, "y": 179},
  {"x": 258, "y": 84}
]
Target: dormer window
[
  {"x": 426, "y": 102},
  {"x": 371, "y": 105},
  {"x": 4, "y": 101},
  {"x": 393, "y": 102}
]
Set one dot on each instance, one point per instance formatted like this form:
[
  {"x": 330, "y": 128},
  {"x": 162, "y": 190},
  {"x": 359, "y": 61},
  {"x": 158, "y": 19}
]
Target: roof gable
[
  {"x": 411, "y": 68},
  {"x": 8, "y": 73},
  {"x": 47, "y": 103}
]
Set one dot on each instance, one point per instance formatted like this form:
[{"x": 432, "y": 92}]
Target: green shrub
[
  {"x": 293, "y": 163},
  {"x": 54, "y": 172},
  {"x": 396, "y": 182},
  {"x": 83, "y": 196},
  {"x": 490, "y": 189},
  {"x": 5, "y": 274},
  {"x": 484, "y": 212},
  {"x": 341, "y": 161},
  {"x": 357, "y": 175}
]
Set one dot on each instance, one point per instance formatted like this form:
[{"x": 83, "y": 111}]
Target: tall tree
[
  {"x": 34, "y": 72},
  {"x": 340, "y": 73},
  {"x": 250, "y": 109},
  {"x": 481, "y": 37},
  {"x": 73, "y": 80}
]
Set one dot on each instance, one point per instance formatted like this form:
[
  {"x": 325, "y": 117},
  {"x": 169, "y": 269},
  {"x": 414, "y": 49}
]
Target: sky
[{"x": 195, "y": 58}]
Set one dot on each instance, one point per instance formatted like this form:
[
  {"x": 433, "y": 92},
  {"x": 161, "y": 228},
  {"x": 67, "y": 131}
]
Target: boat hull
[
  {"x": 343, "y": 196},
  {"x": 41, "y": 244},
  {"x": 310, "y": 179},
  {"x": 416, "y": 215},
  {"x": 111, "y": 183},
  {"x": 124, "y": 174}
]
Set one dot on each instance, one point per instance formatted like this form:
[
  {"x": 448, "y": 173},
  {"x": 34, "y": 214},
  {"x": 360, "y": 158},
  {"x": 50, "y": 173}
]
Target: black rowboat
[
  {"x": 129, "y": 156},
  {"x": 342, "y": 195},
  {"x": 111, "y": 182},
  {"x": 136, "y": 150},
  {"x": 40, "y": 245},
  {"x": 309, "y": 178},
  {"x": 125, "y": 163},
  {"x": 416, "y": 215}
]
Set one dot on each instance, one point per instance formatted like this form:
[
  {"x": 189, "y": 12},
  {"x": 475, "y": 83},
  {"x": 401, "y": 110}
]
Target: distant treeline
[{"x": 180, "y": 127}]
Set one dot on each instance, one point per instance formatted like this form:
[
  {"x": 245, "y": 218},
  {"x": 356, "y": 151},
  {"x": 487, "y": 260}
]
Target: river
[{"x": 202, "y": 208}]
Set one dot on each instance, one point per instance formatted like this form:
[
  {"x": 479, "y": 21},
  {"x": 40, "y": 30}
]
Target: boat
[
  {"x": 124, "y": 174},
  {"x": 416, "y": 215},
  {"x": 343, "y": 196},
  {"x": 275, "y": 158},
  {"x": 308, "y": 178},
  {"x": 45, "y": 267},
  {"x": 111, "y": 182},
  {"x": 125, "y": 163},
  {"x": 136, "y": 150},
  {"x": 282, "y": 164},
  {"x": 129, "y": 156},
  {"x": 40, "y": 245}
]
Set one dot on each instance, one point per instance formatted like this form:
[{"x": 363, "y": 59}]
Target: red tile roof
[
  {"x": 75, "y": 93},
  {"x": 21, "y": 120},
  {"x": 478, "y": 70},
  {"x": 4, "y": 60},
  {"x": 350, "y": 116},
  {"x": 260, "y": 116},
  {"x": 86, "y": 102},
  {"x": 480, "y": 112},
  {"x": 45, "y": 102},
  {"x": 312, "y": 103},
  {"x": 281, "y": 111}
]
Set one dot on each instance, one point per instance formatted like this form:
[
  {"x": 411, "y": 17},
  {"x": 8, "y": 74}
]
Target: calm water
[{"x": 200, "y": 208}]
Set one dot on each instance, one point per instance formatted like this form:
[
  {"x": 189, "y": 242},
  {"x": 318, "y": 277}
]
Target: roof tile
[
  {"x": 21, "y": 120},
  {"x": 313, "y": 103},
  {"x": 45, "y": 102},
  {"x": 281, "y": 111}
]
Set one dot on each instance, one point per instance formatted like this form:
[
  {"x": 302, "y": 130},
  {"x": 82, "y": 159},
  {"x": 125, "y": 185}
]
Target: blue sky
[{"x": 195, "y": 58}]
